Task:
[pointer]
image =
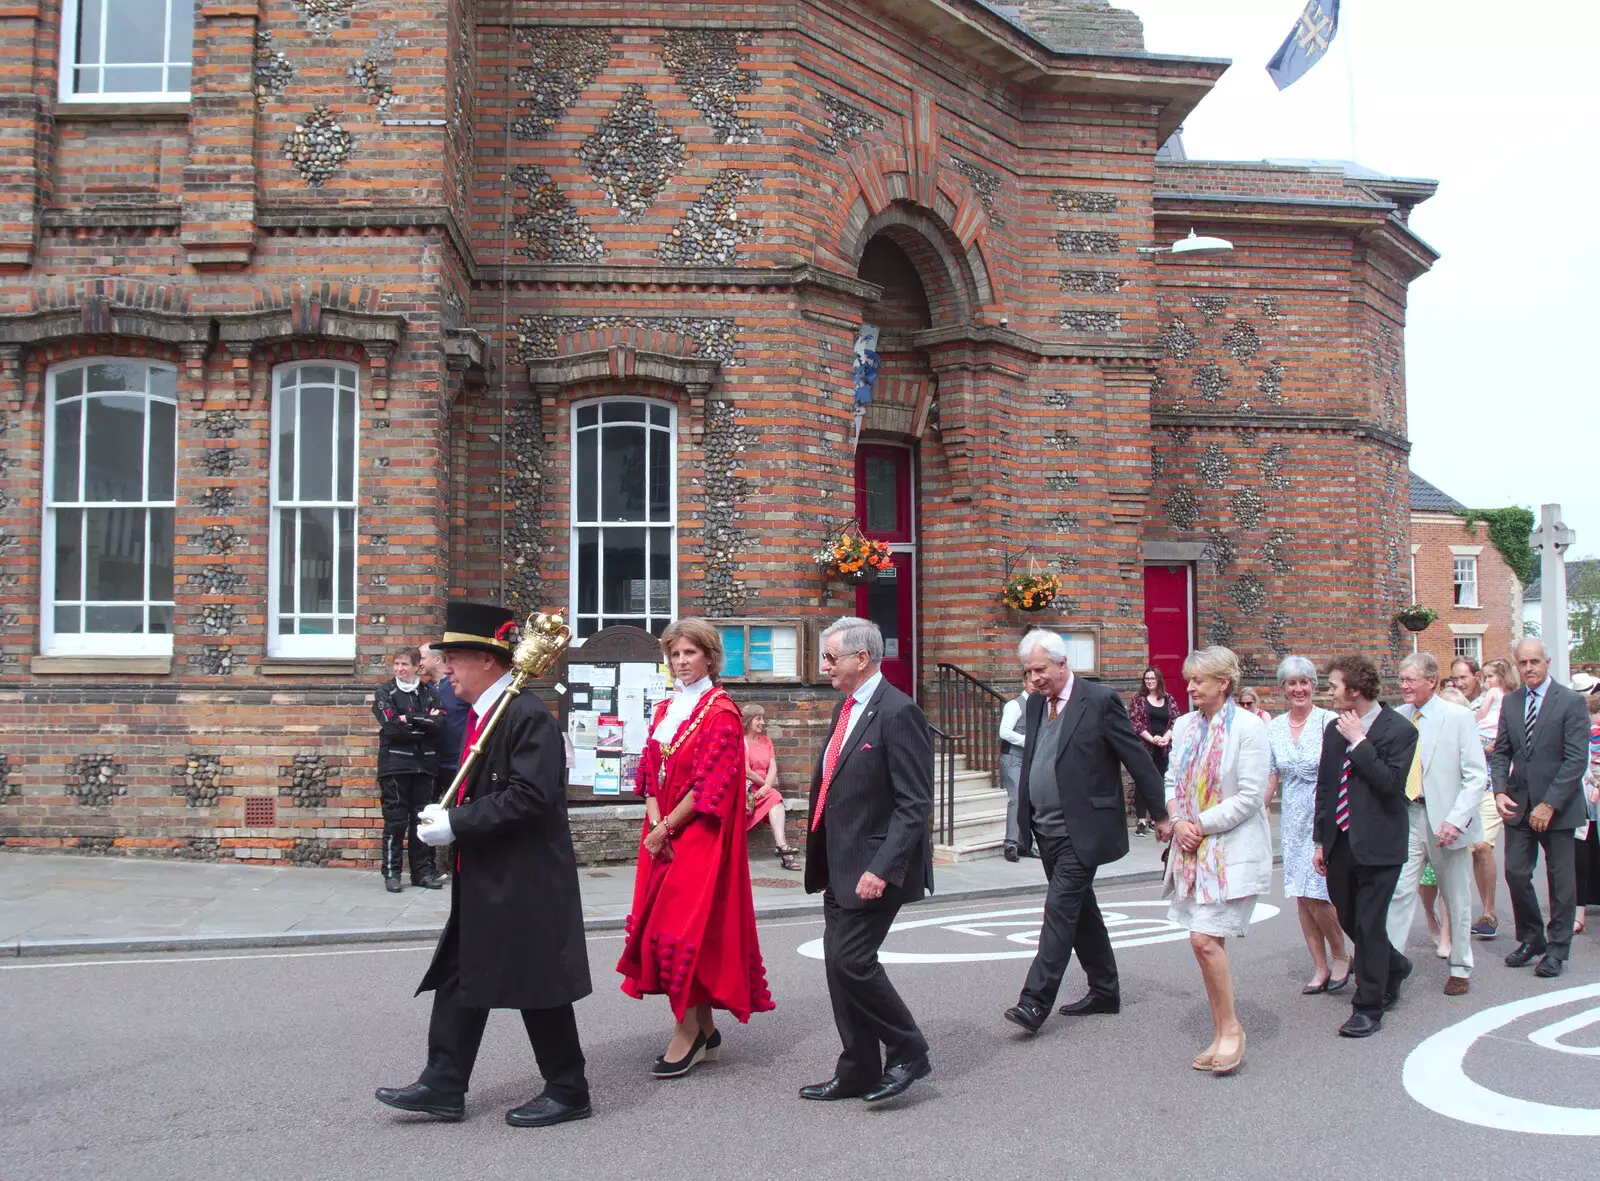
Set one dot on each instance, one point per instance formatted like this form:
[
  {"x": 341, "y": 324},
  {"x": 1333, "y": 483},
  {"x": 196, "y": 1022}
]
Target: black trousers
[
  {"x": 1561, "y": 878},
  {"x": 1361, "y": 894},
  {"x": 455, "y": 1033},
  {"x": 1586, "y": 861},
  {"x": 402, "y": 797},
  {"x": 866, "y": 1008},
  {"x": 1072, "y": 923}
]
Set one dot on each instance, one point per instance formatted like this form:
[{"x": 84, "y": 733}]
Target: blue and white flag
[
  {"x": 866, "y": 362},
  {"x": 1306, "y": 44}
]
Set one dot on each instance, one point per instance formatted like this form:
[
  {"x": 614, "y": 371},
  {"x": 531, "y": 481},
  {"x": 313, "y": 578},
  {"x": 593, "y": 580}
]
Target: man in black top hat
[
  {"x": 514, "y": 939},
  {"x": 410, "y": 719}
]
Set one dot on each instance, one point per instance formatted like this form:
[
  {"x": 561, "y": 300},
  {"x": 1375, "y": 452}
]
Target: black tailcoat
[{"x": 514, "y": 899}]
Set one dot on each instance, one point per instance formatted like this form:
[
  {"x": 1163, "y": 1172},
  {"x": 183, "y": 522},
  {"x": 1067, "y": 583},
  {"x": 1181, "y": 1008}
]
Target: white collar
[
  {"x": 1538, "y": 690},
  {"x": 1371, "y": 716},
  {"x": 407, "y": 686},
  {"x": 867, "y": 688},
  {"x": 486, "y": 700},
  {"x": 691, "y": 692}
]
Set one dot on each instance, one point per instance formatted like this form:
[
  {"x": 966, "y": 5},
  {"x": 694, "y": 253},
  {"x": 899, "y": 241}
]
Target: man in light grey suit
[
  {"x": 1444, "y": 792},
  {"x": 1539, "y": 759}
]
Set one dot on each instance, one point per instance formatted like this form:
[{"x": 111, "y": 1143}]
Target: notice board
[{"x": 608, "y": 689}]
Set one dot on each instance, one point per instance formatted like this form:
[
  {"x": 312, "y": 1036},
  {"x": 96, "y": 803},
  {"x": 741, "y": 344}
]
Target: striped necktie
[
  {"x": 1341, "y": 807},
  {"x": 1532, "y": 716}
]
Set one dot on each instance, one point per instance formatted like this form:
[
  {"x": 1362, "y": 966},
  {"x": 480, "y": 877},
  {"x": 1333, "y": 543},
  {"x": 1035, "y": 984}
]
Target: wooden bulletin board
[{"x": 608, "y": 688}]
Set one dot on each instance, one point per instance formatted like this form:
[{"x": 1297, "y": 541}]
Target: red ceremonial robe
[{"x": 692, "y": 931}]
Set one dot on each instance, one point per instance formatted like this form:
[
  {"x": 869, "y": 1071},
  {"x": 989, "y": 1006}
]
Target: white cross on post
[{"x": 1551, "y": 539}]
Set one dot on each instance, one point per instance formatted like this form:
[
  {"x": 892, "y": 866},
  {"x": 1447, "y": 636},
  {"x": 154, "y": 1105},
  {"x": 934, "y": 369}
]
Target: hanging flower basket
[
  {"x": 1031, "y": 591},
  {"x": 854, "y": 558},
  {"x": 1416, "y": 617}
]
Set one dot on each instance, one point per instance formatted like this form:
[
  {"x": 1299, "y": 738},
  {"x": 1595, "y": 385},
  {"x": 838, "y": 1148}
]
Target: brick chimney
[{"x": 1081, "y": 24}]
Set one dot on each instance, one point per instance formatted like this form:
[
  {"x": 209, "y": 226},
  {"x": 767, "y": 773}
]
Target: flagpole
[{"x": 1350, "y": 75}]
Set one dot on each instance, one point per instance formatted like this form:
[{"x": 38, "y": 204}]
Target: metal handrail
[
  {"x": 969, "y": 725},
  {"x": 944, "y": 770}
]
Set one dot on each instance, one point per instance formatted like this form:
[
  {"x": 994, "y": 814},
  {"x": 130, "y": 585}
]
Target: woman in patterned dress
[{"x": 1296, "y": 752}]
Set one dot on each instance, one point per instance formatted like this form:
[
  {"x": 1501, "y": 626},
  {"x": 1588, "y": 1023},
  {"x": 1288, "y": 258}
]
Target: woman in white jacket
[{"x": 1221, "y": 854}]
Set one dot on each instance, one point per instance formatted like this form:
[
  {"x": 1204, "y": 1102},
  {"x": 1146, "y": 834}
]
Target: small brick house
[
  {"x": 315, "y": 314},
  {"x": 1456, "y": 571}
]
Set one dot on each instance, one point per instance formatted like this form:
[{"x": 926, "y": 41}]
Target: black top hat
[{"x": 480, "y": 627}]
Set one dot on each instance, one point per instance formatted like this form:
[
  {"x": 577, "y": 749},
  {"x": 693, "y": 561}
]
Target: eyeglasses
[{"x": 830, "y": 658}]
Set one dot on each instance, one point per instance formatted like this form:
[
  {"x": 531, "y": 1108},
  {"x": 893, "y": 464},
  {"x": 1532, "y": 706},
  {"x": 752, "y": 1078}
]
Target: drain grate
[
  {"x": 776, "y": 883},
  {"x": 260, "y": 811}
]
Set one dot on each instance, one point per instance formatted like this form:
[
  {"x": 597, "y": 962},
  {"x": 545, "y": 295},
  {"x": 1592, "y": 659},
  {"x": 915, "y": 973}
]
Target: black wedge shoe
[{"x": 696, "y": 1055}]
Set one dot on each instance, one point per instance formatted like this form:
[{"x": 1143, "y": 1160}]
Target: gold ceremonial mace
[{"x": 544, "y": 639}]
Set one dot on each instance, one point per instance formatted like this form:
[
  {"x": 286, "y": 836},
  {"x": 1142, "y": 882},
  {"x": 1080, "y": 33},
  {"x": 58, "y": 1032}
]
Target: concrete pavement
[{"x": 60, "y": 904}]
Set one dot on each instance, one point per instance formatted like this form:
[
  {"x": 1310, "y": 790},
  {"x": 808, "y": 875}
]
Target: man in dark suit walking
[
  {"x": 1070, "y": 798},
  {"x": 1363, "y": 830},
  {"x": 1540, "y": 755},
  {"x": 869, "y": 853}
]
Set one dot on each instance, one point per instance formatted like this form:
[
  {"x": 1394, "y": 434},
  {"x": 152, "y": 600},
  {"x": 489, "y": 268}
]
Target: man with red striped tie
[
  {"x": 1363, "y": 831},
  {"x": 868, "y": 853}
]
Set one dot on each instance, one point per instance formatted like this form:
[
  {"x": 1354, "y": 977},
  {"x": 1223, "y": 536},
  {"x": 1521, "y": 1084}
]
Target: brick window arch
[
  {"x": 311, "y": 595},
  {"x": 624, "y": 514},
  {"x": 110, "y": 477}
]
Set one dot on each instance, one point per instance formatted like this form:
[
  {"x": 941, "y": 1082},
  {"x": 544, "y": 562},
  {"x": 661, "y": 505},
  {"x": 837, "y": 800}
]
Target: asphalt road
[{"x": 263, "y": 1065}]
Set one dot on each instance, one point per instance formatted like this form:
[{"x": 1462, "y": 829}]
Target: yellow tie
[{"x": 1414, "y": 778}]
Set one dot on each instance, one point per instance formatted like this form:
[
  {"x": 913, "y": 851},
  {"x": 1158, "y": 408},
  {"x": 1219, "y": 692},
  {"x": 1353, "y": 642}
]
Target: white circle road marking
[
  {"x": 1126, "y": 931},
  {"x": 1435, "y": 1077}
]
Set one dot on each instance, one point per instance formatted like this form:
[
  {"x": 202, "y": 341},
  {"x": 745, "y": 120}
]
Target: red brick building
[
  {"x": 1458, "y": 572},
  {"x": 314, "y": 314}
]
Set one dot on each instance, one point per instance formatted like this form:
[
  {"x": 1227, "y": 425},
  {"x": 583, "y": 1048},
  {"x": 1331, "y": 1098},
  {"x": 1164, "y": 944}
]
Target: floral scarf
[{"x": 1203, "y": 873}]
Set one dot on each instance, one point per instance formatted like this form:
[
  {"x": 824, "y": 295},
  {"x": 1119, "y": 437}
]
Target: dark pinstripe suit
[{"x": 876, "y": 820}]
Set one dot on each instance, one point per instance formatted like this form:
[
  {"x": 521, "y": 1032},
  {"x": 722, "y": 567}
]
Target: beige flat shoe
[{"x": 1203, "y": 1060}]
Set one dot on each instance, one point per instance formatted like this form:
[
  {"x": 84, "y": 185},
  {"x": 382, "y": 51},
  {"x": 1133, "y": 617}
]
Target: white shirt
[
  {"x": 486, "y": 699},
  {"x": 1535, "y": 695},
  {"x": 862, "y": 695},
  {"x": 1011, "y": 721},
  {"x": 679, "y": 707}
]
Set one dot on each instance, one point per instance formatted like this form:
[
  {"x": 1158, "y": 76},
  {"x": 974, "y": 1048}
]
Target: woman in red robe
[{"x": 692, "y": 931}]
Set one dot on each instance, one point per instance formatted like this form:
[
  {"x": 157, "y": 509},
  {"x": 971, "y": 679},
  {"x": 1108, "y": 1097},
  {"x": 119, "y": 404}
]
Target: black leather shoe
[
  {"x": 424, "y": 1101},
  {"x": 392, "y": 885},
  {"x": 1011, "y": 852},
  {"x": 835, "y": 1088},
  {"x": 546, "y": 1110},
  {"x": 1392, "y": 997},
  {"x": 1361, "y": 1025},
  {"x": 1524, "y": 954},
  {"x": 1092, "y": 1003},
  {"x": 431, "y": 880},
  {"x": 897, "y": 1078},
  {"x": 1549, "y": 967},
  {"x": 1026, "y": 1014}
]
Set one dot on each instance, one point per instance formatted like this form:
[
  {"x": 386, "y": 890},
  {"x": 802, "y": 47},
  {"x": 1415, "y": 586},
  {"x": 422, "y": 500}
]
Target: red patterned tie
[{"x": 830, "y": 761}]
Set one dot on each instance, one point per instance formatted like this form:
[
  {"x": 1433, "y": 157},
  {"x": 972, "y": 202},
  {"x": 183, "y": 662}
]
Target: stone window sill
[
  {"x": 100, "y": 665},
  {"x": 292, "y": 666},
  {"x": 82, "y": 112}
]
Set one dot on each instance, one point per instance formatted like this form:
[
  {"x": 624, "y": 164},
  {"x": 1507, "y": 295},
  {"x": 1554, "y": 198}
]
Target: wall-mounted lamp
[{"x": 1194, "y": 246}]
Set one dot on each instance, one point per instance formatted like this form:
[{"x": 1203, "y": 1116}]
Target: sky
[{"x": 1497, "y": 109}]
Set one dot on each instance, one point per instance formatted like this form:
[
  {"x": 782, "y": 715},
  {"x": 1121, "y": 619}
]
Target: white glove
[{"x": 433, "y": 825}]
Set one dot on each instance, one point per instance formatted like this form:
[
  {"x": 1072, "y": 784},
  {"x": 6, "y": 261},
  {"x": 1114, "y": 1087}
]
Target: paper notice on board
[
  {"x": 634, "y": 675},
  {"x": 583, "y": 727},
  {"x": 607, "y": 776},
  {"x": 785, "y": 652},
  {"x": 600, "y": 677},
  {"x": 635, "y": 729},
  {"x": 579, "y": 673},
  {"x": 582, "y": 774},
  {"x": 609, "y": 741}
]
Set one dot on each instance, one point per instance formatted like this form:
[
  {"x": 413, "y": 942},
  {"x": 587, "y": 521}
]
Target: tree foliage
[{"x": 1509, "y": 532}]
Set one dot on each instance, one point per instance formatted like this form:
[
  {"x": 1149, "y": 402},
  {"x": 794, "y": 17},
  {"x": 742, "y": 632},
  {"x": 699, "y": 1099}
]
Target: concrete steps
[{"x": 980, "y": 817}]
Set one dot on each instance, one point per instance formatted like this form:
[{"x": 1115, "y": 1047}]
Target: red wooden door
[
  {"x": 885, "y": 509},
  {"x": 1167, "y": 618}
]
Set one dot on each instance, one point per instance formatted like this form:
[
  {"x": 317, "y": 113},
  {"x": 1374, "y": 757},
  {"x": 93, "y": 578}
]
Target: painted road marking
[
  {"x": 1127, "y": 930},
  {"x": 1435, "y": 1073}
]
